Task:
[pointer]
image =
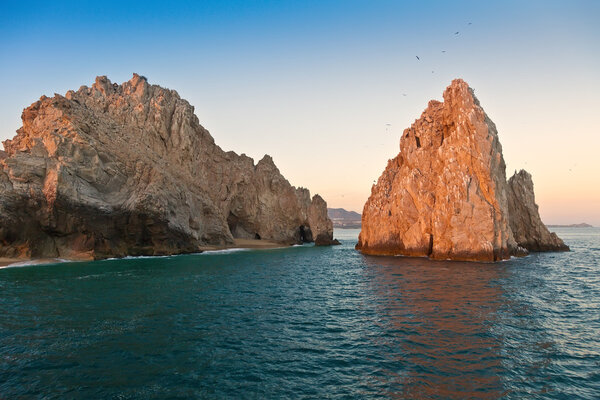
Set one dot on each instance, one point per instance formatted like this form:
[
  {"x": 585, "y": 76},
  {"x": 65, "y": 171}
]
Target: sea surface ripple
[{"x": 305, "y": 322}]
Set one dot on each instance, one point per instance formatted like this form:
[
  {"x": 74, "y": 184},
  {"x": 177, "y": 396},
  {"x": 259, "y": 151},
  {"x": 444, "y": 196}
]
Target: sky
[{"x": 315, "y": 83}]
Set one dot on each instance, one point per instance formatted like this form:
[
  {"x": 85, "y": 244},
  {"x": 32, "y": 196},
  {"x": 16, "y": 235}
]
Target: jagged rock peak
[
  {"x": 445, "y": 195},
  {"x": 114, "y": 170},
  {"x": 527, "y": 226}
]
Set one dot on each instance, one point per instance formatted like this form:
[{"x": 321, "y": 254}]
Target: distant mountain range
[
  {"x": 581, "y": 225},
  {"x": 343, "y": 218}
]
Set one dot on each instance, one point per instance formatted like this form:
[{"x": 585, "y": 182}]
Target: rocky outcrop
[
  {"x": 445, "y": 195},
  {"x": 318, "y": 218},
  {"x": 528, "y": 229},
  {"x": 114, "y": 170}
]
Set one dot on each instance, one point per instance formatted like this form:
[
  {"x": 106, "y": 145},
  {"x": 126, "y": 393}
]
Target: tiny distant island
[
  {"x": 342, "y": 218},
  {"x": 581, "y": 225}
]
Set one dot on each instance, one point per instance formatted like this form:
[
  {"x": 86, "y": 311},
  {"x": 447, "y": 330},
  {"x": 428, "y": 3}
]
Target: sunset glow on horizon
[{"x": 326, "y": 88}]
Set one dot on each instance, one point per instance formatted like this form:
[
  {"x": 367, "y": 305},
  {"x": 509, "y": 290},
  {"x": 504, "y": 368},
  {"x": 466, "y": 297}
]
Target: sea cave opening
[{"x": 305, "y": 234}]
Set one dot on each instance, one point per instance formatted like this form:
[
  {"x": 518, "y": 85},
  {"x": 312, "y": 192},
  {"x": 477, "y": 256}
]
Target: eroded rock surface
[
  {"x": 318, "y": 218},
  {"x": 445, "y": 195},
  {"x": 115, "y": 170},
  {"x": 527, "y": 226}
]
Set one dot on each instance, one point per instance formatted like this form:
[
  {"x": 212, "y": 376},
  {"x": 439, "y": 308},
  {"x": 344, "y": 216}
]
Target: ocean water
[{"x": 305, "y": 322}]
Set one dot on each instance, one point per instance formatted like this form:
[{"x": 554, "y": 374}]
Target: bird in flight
[
  {"x": 418, "y": 58},
  {"x": 470, "y": 23},
  {"x": 443, "y": 51},
  {"x": 404, "y": 94},
  {"x": 456, "y": 33}
]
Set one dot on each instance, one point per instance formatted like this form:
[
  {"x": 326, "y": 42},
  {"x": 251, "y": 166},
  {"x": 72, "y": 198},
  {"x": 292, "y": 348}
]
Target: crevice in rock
[
  {"x": 430, "y": 250},
  {"x": 418, "y": 142},
  {"x": 468, "y": 188}
]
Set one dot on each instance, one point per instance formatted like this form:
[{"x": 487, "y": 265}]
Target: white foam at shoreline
[
  {"x": 207, "y": 252},
  {"x": 37, "y": 262},
  {"x": 225, "y": 251}
]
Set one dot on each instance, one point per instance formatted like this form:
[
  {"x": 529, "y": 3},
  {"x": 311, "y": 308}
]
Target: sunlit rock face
[
  {"x": 115, "y": 170},
  {"x": 445, "y": 195}
]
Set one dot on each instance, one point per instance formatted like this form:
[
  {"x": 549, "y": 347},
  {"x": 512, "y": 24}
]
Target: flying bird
[
  {"x": 470, "y": 23},
  {"x": 404, "y": 94},
  {"x": 418, "y": 58},
  {"x": 456, "y": 33},
  {"x": 443, "y": 51}
]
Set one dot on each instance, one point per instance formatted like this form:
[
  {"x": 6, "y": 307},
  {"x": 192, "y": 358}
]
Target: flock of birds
[
  {"x": 388, "y": 125},
  {"x": 419, "y": 59}
]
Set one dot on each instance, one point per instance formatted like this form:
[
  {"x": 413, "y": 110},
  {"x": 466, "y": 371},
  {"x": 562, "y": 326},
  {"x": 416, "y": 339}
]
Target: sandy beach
[
  {"x": 4, "y": 261},
  {"x": 246, "y": 244},
  {"x": 238, "y": 244}
]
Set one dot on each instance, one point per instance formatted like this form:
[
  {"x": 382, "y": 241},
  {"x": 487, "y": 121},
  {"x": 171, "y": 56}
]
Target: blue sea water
[{"x": 305, "y": 322}]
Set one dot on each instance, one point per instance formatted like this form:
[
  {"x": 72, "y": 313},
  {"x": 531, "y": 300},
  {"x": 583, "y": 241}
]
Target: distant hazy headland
[
  {"x": 342, "y": 218},
  {"x": 581, "y": 225}
]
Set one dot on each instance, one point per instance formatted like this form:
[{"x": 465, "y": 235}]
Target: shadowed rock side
[
  {"x": 117, "y": 170},
  {"x": 317, "y": 218},
  {"x": 527, "y": 226},
  {"x": 445, "y": 195}
]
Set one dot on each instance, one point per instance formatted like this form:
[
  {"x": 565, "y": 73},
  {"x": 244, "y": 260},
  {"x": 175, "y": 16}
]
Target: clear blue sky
[{"x": 313, "y": 83}]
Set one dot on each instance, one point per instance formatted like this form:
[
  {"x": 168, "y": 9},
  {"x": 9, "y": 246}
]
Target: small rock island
[
  {"x": 114, "y": 170},
  {"x": 445, "y": 196}
]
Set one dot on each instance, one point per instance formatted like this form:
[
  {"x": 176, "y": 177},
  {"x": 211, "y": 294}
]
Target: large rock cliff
[
  {"x": 445, "y": 195},
  {"x": 115, "y": 170}
]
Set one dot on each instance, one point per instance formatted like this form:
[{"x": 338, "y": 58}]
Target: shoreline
[
  {"x": 238, "y": 244},
  {"x": 4, "y": 261},
  {"x": 246, "y": 244}
]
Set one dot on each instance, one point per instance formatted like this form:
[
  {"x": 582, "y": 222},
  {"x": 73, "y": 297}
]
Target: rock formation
[
  {"x": 445, "y": 195},
  {"x": 115, "y": 170},
  {"x": 525, "y": 222}
]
